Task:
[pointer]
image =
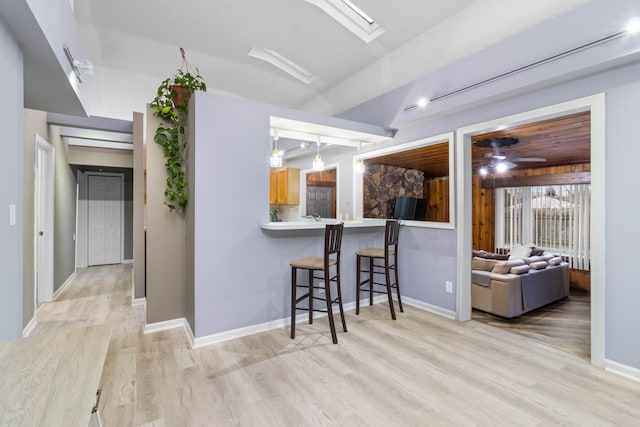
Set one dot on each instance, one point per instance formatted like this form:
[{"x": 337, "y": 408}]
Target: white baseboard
[
  {"x": 275, "y": 324},
  {"x": 64, "y": 285},
  {"x": 430, "y": 307},
  {"x": 127, "y": 261},
  {"x": 138, "y": 301},
  {"x": 622, "y": 370},
  {"x": 30, "y": 327},
  {"x": 170, "y": 324}
]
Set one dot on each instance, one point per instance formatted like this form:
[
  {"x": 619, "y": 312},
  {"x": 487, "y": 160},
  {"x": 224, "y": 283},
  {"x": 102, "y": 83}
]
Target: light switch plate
[{"x": 448, "y": 287}]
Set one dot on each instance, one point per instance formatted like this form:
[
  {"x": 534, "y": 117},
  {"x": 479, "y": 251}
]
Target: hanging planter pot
[
  {"x": 182, "y": 95},
  {"x": 171, "y": 104}
]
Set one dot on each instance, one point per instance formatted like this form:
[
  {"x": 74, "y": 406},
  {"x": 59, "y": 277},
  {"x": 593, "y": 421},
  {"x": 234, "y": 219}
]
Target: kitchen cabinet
[{"x": 284, "y": 186}]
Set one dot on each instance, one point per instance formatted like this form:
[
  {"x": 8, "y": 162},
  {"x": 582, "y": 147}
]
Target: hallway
[{"x": 421, "y": 369}]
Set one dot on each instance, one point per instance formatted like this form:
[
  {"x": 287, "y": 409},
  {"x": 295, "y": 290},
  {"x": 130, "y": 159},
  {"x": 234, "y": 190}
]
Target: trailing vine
[{"x": 171, "y": 104}]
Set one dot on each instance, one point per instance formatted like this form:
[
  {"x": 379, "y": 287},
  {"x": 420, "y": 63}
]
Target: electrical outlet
[{"x": 448, "y": 286}]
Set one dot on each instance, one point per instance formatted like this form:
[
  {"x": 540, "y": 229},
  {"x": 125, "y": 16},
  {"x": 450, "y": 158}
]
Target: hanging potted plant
[{"x": 171, "y": 104}]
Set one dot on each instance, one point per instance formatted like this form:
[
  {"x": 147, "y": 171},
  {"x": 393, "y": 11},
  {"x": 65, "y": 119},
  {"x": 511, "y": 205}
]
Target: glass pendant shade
[
  {"x": 359, "y": 167},
  {"x": 318, "y": 164},
  {"x": 276, "y": 159}
]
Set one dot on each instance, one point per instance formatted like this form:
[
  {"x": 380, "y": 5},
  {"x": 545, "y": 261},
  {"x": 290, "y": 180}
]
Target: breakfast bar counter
[{"x": 317, "y": 225}]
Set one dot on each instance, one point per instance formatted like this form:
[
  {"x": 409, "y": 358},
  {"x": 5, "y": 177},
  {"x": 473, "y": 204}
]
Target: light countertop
[{"x": 314, "y": 225}]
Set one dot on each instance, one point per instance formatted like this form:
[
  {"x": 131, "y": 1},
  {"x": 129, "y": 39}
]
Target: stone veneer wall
[{"x": 382, "y": 184}]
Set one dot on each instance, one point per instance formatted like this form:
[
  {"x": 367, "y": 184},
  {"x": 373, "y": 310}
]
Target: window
[{"x": 554, "y": 217}]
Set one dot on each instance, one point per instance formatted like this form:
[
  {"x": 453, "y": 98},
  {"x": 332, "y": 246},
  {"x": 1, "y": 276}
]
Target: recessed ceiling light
[
  {"x": 422, "y": 102},
  {"x": 633, "y": 26}
]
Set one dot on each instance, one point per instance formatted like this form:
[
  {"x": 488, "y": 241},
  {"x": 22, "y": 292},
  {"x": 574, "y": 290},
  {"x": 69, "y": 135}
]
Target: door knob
[{"x": 41, "y": 233}]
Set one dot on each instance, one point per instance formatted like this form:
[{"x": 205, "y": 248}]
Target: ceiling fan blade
[{"x": 528, "y": 159}]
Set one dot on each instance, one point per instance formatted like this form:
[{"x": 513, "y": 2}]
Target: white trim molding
[
  {"x": 28, "y": 330},
  {"x": 127, "y": 261},
  {"x": 622, "y": 370},
  {"x": 64, "y": 285},
  {"x": 139, "y": 301},
  {"x": 449, "y": 314},
  {"x": 280, "y": 323},
  {"x": 171, "y": 324}
]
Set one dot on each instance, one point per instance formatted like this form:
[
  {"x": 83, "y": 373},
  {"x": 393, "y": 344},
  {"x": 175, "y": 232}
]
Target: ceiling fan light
[
  {"x": 483, "y": 171},
  {"x": 501, "y": 167}
]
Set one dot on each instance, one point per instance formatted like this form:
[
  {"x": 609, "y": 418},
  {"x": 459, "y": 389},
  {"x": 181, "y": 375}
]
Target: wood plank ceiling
[{"x": 561, "y": 141}]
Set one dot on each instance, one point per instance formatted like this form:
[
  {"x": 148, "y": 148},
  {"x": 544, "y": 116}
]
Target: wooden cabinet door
[
  {"x": 273, "y": 187},
  {"x": 284, "y": 186}
]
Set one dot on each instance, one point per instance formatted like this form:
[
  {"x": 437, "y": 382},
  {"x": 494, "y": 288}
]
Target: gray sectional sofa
[{"x": 509, "y": 288}]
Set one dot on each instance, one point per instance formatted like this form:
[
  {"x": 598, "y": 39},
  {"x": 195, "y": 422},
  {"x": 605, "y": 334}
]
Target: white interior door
[
  {"x": 105, "y": 219},
  {"x": 43, "y": 221}
]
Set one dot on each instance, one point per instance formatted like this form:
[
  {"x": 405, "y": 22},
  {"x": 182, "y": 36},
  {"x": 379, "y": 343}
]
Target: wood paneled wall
[
  {"x": 483, "y": 216},
  {"x": 436, "y": 191}
]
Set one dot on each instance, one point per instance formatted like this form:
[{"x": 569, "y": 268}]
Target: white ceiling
[{"x": 143, "y": 36}]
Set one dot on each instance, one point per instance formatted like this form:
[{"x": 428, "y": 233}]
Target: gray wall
[
  {"x": 64, "y": 215},
  {"x": 622, "y": 90},
  {"x": 11, "y": 117},
  {"x": 241, "y": 272},
  {"x": 35, "y": 122},
  {"x": 166, "y": 286}
]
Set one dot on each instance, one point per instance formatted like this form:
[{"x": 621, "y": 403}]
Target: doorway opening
[
  {"x": 595, "y": 106},
  {"x": 104, "y": 220},
  {"x": 321, "y": 193}
]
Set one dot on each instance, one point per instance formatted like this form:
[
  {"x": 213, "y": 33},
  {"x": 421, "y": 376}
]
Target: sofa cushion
[
  {"x": 503, "y": 267},
  {"x": 519, "y": 251},
  {"x": 490, "y": 255},
  {"x": 538, "y": 265},
  {"x": 519, "y": 269},
  {"x": 544, "y": 257},
  {"x": 555, "y": 260},
  {"x": 482, "y": 264}
]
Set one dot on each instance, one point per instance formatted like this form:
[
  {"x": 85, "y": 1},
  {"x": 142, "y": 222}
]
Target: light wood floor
[
  {"x": 564, "y": 324},
  {"x": 421, "y": 370}
]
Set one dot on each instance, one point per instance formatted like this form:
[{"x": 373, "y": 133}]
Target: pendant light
[
  {"x": 276, "y": 156},
  {"x": 318, "y": 164}
]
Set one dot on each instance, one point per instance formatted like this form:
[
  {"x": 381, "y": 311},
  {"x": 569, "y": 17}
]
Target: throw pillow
[
  {"x": 483, "y": 264},
  {"x": 555, "y": 261},
  {"x": 519, "y": 269},
  {"x": 538, "y": 265},
  {"x": 519, "y": 251},
  {"x": 503, "y": 267},
  {"x": 535, "y": 251}
]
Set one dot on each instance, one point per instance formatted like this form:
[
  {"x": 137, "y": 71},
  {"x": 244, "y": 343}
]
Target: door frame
[
  {"x": 82, "y": 220},
  {"x": 303, "y": 188},
  {"x": 596, "y": 105},
  {"x": 43, "y": 288}
]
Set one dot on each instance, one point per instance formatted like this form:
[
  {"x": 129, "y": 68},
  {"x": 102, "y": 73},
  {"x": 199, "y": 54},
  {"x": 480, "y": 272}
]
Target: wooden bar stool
[
  {"x": 323, "y": 264},
  {"x": 390, "y": 250}
]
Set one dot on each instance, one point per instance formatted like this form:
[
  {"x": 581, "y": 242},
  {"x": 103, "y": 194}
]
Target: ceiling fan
[{"x": 498, "y": 159}]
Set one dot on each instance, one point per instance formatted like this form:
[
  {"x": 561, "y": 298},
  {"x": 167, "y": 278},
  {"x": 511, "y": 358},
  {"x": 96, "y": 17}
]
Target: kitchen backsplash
[{"x": 286, "y": 212}]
